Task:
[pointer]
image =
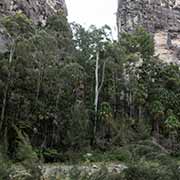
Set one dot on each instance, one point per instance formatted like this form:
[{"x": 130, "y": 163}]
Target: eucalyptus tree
[
  {"x": 139, "y": 51},
  {"x": 44, "y": 55},
  {"x": 17, "y": 27},
  {"x": 92, "y": 43}
]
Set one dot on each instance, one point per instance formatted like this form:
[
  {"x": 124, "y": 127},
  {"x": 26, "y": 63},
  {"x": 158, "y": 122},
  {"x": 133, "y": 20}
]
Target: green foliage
[
  {"x": 140, "y": 41},
  {"x": 5, "y": 166},
  {"x": 58, "y": 26},
  {"x": 58, "y": 23},
  {"x": 114, "y": 155},
  {"x": 122, "y": 155},
  {"x": 18, "y": 25},
  {"x": 25, "y": 153},
  {"x": 27, "y": 156},
  {"x": 105, "y": 111},
  {"x": 73, "y": 72},
  {"x": 157, "y": 107},
  {"x": 140, "y": 172},
  {"x": 51, "y": 155},
  {"x": 149, "y": 171},
  {"x": 172, "y": 123},
  {"x": 140, "y": 94},
  {"x": 29, "y": 160},
  {"x": 47, "y": 93},
  {"x": 157, "y": 110}
]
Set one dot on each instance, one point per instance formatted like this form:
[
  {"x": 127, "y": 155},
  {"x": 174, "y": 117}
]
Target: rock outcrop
[
  {"x": 60, "y": 171},
  {"x": 37, "y": 10},
  {"x": 4, "y": 40},
  {"x": 159, "y": 17},
  {"x": 63, "y": 171}
]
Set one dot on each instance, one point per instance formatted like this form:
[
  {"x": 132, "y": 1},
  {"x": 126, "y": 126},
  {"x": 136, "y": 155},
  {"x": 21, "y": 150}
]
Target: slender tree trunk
[
  {"x": 130, "y": 105},
  {"x": 96, "y": 92},
  {"x": 97, "y": 83},
  {"x": 98, "y": 88},
  {"x": 3, "y": 110},
  {"x": 156, "y": 128},
  {"x": 54, "y": 135},
  {"x": 140, "y": 113},
  {"x": 4, "y": 104},
  {"x": 115, "y": 96},
  {"x": 38, "y": 87},
  {"x": 6, "y": 138},
  {"x": 57, "y": 98}
]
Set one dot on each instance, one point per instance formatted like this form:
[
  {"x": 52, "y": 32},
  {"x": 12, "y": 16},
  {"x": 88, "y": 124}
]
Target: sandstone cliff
[
  {"x": 159, "y": 17},
  {"x": 37, "y": 10}
]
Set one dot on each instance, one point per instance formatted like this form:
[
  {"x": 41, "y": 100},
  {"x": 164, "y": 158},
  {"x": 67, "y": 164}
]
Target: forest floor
[
  {"x": 57, "y": 171},
  {"x": 145, "y": 159}
]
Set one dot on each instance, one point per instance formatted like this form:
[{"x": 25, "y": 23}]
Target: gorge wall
[
  {"x": 159, "y": 17},
  {"x": 37, "y": 10}
]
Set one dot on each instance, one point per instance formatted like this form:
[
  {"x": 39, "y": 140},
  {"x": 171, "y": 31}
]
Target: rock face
[
  {"x": 37, "y": 10},
  {"x": 4, "y": 40},
  {"x": 159, "y": 17}
]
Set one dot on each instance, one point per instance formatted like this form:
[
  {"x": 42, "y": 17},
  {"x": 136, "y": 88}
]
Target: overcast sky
[{"x": 97, "y": 12}]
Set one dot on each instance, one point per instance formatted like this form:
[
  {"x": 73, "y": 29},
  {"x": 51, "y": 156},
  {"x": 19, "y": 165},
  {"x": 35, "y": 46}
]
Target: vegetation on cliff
[{"x": 66, "y": 91}]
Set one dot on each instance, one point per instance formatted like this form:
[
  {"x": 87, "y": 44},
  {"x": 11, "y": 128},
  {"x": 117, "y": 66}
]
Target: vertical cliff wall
[
  {"x": 37, "y": 10},
  {"x": 159, "y": 17}
]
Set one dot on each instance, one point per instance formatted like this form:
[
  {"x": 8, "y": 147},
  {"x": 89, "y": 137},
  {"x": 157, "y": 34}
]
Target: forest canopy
[{"x": 64, "y": 88}]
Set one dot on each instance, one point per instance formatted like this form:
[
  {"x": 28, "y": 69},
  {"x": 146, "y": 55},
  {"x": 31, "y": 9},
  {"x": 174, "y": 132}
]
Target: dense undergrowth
[{"x": 145, "y": 160}]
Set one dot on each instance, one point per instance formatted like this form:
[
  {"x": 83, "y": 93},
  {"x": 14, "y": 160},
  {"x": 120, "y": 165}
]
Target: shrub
[
  {"x": 152, "y": 171},
  {"x": 121, "y": 154},
  {"x": 52, "y": 155},
  {"x": 102, "y": 174},
  {"x": 27, "y": 157},
  {"x": 4, "y": 167},
  {"x": 139, "y": 172}
]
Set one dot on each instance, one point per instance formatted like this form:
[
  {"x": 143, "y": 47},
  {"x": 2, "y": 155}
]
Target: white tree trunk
[
  {"x": 98, "y": 87},
  {"x": 97, "y": 83},
  {"x": 96, "y": 92}
]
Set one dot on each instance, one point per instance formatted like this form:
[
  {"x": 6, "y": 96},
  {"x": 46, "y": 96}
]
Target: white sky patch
[{"x": 97, "y": 12}]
